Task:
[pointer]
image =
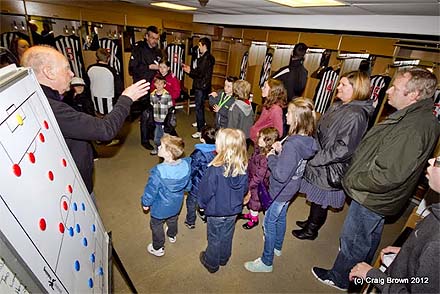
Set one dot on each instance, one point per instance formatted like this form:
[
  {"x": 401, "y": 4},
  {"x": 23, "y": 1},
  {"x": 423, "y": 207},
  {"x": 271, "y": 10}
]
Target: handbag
[{"x": 335, "y": 173}]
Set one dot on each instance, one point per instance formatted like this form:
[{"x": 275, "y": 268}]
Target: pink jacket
[
  {"x": 172, "y": 86},
  {"x": 272, "y": 117}
]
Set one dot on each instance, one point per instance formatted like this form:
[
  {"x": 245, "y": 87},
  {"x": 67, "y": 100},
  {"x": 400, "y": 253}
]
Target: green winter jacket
[{"x": 389, "y": 161}]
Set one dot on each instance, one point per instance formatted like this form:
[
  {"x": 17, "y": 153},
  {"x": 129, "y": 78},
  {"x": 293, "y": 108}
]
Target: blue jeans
[
  {"x": 359, "y": 240},
  {"x": 191, "y": 206},
  {"x": 220, "y": 233},
  {"x": 274, "y": 229},
  {"x": 200, "y": 96},
  {"x": 158, "y": 133}
]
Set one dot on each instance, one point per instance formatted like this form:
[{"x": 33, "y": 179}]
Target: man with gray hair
[
  {"x": 54, "y": 75},
  {"x": 385, "y": 170}
]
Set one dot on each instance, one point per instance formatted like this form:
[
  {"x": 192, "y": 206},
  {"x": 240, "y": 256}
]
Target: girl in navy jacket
[{"x": 221, "y": 194}]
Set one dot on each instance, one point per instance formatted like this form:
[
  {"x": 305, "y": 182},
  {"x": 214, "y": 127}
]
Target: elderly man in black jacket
[{"x": 53, "y": 73}]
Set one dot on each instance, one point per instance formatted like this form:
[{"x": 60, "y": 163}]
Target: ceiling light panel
[
  {"x": 308, "y": 3},
  {"x": 173, "y": 6}
]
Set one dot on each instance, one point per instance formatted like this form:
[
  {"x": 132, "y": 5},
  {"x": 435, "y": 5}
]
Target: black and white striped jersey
[
  {"x": 378, "y": 87},
  {"x": 265, "y": 69},
  {"x": 244, "y": 65},
  {"x": 113, "y": 48},
  {"x": 176, "y": 55},
  {"x": 324, "y": 90},
  {"x": 70, "y": 47},
  {"x": 6, "y": 38},
  {"x": 436, "y": 110}
]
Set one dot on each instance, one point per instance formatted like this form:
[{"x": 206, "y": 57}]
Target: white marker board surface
[{"x": 46, "y": 214}]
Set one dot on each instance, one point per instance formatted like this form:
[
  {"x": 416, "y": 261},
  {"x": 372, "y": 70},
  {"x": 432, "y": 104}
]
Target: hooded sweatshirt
[
  {"x": 200, "y": 158},
  {"x": 166, "y": 185},
  {"x": 416, "y": 265},
  {"x": 220, "y": 195},
  {"x": 287, "y": 168},
  {"x": 241, "y": 116}
]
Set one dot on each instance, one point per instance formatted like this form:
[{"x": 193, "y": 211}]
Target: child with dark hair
[
  {"x": 222, "y": 101},
  {"x": 203, "y": 154}
]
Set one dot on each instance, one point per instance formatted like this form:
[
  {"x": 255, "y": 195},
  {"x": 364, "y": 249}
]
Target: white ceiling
[{"x": 353, "y": 7}]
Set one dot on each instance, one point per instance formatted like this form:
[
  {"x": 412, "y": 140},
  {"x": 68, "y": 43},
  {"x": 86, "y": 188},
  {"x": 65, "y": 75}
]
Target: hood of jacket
[
  {"x": 236, "y": 183},
  {"x": 245, "y": 107},
  {"x": 175, "y": 176},
  {"x": 306, "y": 146},
  {"x": 205, "y": 147},
  {"x": 365, "y": 105}
]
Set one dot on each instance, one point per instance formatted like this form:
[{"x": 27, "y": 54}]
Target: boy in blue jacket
[
  {"x": 203, "y": 154},
  {"x": 163, "y": 194}
]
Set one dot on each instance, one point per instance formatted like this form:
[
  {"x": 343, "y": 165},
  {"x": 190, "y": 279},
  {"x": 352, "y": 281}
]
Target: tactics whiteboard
[{"x": 47, "y": 218}]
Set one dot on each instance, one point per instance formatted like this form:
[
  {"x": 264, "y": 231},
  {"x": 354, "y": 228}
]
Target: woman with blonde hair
[
  {"x": 221, "y": 193},
  {"x": 286, "y": 163},
  {"x": 272, "y": 115},
  {"x": 339, "y": 132}
]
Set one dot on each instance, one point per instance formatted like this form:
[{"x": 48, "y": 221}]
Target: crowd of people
[{"x": 328, "y": 160}]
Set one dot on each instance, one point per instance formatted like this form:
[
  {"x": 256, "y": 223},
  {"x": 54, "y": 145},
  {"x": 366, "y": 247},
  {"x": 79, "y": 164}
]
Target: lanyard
[{"x": 222, "y": 102}]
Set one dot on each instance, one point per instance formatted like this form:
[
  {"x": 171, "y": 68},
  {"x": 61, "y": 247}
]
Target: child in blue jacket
[
  {"x": 163, "y": 194},
  {"x": 203, "y": 154},
  {"x": 221, "y": 194}
]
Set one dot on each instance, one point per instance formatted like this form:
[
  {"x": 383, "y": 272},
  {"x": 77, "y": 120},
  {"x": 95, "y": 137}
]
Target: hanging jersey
[
  {"x": 175, "y": 54},
  {"x": 265, "y": 70},
  {"x": 244, "y": 65},
  {"x": 436, "y": 110},
  {"x": 113, "y": 48},
  {"x": 70, "y": 47},
  {"x": 102, "y": 88},
  {"x": 324, "y": 90},
  {"x": 378, "y": 87},
  {"x": 195, "y": 54},
  {"x": 6, "y": 38}
]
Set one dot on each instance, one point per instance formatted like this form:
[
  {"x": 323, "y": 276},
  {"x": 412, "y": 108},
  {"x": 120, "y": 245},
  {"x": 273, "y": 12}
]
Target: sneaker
[
  {"x": 194, "y": 124},
  {"x": 112, "y": 143},
  {"x": 277, "y": 252},
  {"x": 190, "y": 226},
  {"x": 322, "y": 275},
  {"x": 257, "y": 266},
  {"x": 201, "y": 214},
  {"x": 159, "y": 252},
  {"x": 172, "y": 239},
  {"x": 196, "y": 135},
  {"x": 153, "y": 152}
]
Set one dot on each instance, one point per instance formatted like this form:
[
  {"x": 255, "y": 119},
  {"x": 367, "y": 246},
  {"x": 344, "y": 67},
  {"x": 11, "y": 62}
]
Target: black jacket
[
  {"x": 79, "y": 129},
  {"x": 339, "y": 132},
  {"x": 294, "y": 78},
  {"x": 141, "y": 57},
  {"x": 417, "y": 260},
  {"x": 202, "y": 74}
]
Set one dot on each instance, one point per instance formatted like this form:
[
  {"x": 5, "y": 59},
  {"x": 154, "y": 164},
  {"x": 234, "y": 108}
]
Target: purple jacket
[{"x": 258, "y": 172}]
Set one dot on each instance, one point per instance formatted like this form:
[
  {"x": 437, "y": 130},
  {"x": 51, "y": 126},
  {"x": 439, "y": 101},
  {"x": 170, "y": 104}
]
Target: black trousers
[{"x": 156, "y": 226}]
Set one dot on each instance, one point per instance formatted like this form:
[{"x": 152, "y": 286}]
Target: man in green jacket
[{"x": 385, "y": 170}]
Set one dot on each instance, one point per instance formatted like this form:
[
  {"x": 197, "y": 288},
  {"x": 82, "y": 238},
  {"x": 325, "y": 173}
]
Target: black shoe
[
  {"x": 322, "y": 275},
  {"x": 203, "y": 262},
  {"x": 248, "y": 226},
  {"x": 148, "y": 146},
  {"x": 310, "y": 232},
  {"x": 201, "y": 214},
  {"x": 302, "y": 224}
]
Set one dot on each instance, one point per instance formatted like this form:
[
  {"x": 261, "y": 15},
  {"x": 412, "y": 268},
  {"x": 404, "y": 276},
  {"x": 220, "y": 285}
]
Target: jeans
[
  {"x": 220, "y": 233},
  {"x": 200, "y": 96},
  {"x": 274, "y": 230},
  {"x": 158, "y": 133},
  {"x": 191, "y": 206},
  {"x": 156, "y": 226},
  {"x": 359, "y": 240}
]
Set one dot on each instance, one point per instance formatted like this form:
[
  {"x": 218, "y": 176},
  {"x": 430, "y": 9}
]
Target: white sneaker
[
  {"x": 196, "y": 135},
  {"x": 172, "y": 239},
  {"x": 194, "y": 124},
  {"x": 277, "y": 252},
  {"x": 113, "y": 143},
  {"x": 160, "y": 252},
  {"x": 257, "y": 266}
]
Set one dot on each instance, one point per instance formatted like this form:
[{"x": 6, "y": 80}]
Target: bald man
[{"x": 53, "y": 73}]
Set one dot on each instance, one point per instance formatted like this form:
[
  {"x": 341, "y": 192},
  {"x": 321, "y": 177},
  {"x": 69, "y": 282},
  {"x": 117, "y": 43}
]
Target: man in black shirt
[{"x": 144, "y": 64}]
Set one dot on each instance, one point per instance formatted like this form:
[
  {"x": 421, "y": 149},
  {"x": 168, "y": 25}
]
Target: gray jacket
[
  {"x": 241, "y": 116},
  {"x": 339, "y": 132}
]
